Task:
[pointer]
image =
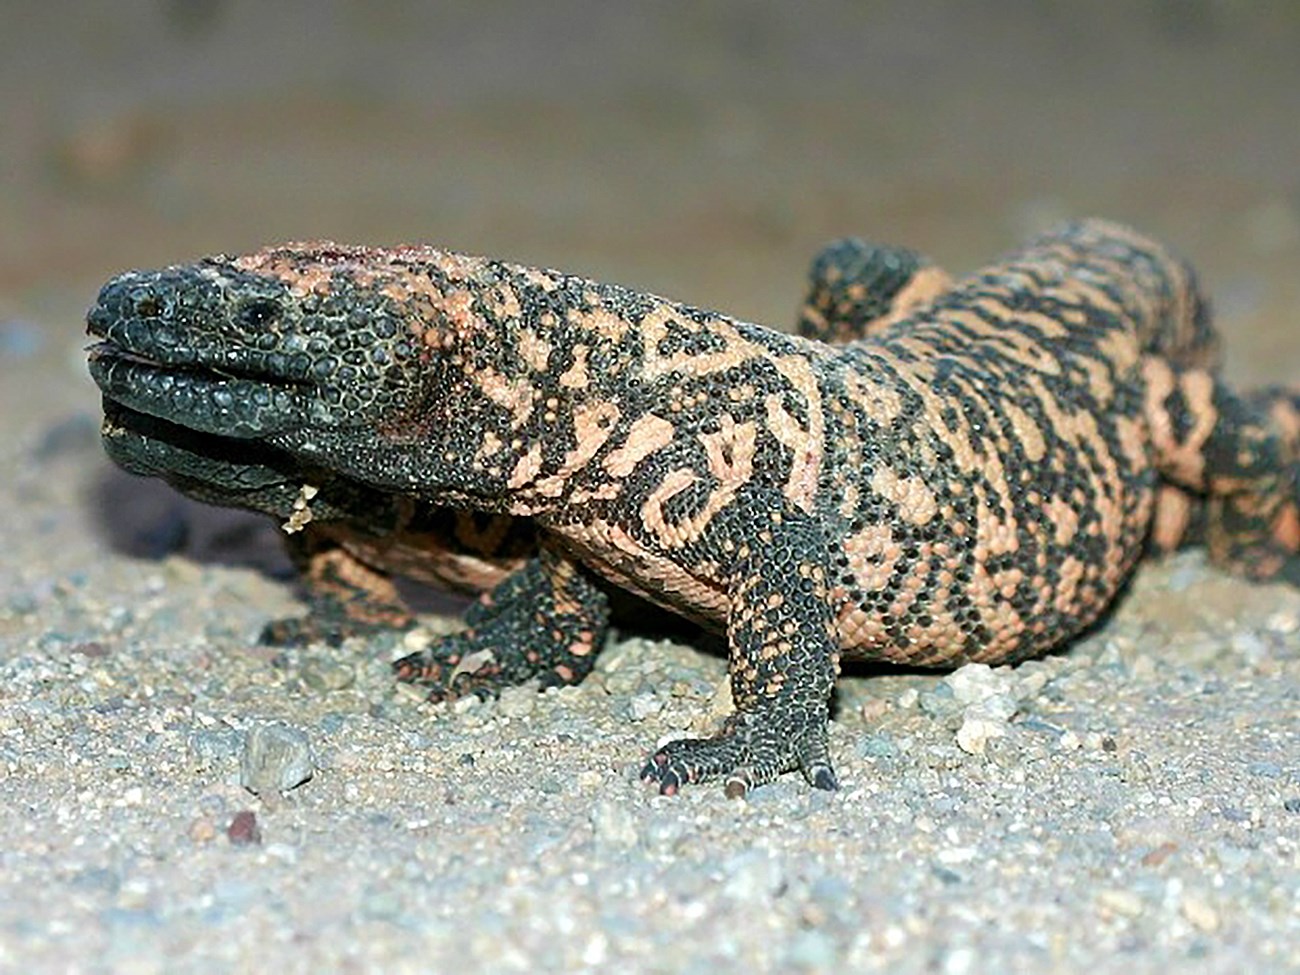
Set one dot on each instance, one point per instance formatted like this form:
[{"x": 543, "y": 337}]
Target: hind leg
[
  {"x": 857, "y": 288},
  {"x": 1241, "y": 454},
  {"x": 1260, "y": 536},
  {"x": 346, "y": 596}
]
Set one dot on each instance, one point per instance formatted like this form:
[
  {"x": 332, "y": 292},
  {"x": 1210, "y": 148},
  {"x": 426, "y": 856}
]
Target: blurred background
[{"x": 700, "y": 150}]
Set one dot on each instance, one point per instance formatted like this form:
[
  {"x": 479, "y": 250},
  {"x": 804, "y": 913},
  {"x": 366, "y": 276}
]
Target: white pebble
[
  {"x": 977, "y": 731},
  {"x": 974, "y": 683}
]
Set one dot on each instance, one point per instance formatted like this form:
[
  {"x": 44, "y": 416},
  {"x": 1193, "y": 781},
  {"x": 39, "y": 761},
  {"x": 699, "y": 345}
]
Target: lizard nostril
[{"x": 97, "y": 319}]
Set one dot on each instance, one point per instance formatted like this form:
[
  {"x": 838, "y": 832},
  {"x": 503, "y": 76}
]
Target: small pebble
[
  {"x": 939, "y": 701},
  {"x": 380, "y": 905},
  {"x": 1159, "y": 855},
  {"x": 974, "y": 683},
  {"x": 874, "y": 709},
  {"x": 327, "y": 675},
  {"x": 1199, "y": 913},
  {"x": 1284, "y": 623},
  {"x": 614, "y": 825},
  {"x": 986, "y": 718},
  {"x": 1091, "y": 741},
  {"x": 959, "y": 961},
  {"x": 643, "y": 706},
  {"x": 721, "y": 705},
  {"x": 519, "y": 701},
  {"x": 204, "y": 830},
  {"x": 1031, "y": 682},
  {"x": 881, "y": 744},
  {"x": 243, "y": 829},
  {"x": 276, "y": 758},
  {"x": 211, "y": 747},
  {"x": 977, "y": 731},
  {"x": 1123, "y": 903}
]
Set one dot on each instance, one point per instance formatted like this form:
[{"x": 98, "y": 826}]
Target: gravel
[{"x": 173, "y": 787}]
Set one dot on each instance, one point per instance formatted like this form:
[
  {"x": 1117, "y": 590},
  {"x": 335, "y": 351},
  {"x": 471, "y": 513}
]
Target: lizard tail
[{"x": 1281, "y": 404}]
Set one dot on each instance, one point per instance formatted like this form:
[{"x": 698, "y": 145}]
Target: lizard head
[
  {"x": 379, "y": 365},
  {"x": 223, "y": 349},
  {"x": 212, "y": 371}
]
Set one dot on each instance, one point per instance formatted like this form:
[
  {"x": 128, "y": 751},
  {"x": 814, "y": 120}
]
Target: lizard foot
[
  {"x": 508, "y": 649},
  {"x": 547, "y": 620},
  {"x": 302, "y": 631},
  {"x": 750, "y": 751},
  {"x": 517, "y": 593},
  {"x": 453, "y": 667}
]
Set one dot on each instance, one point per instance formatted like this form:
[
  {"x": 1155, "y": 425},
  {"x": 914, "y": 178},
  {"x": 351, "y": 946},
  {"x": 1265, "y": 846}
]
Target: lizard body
[{"x": 970, "y": 476}]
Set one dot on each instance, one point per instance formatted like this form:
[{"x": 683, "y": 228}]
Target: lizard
[{"x": 967, "y": 471}]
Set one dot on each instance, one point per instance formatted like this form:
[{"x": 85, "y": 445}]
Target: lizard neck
[
  {"x": 523, "y": 375},
  {"x": 544, "y": 391}
]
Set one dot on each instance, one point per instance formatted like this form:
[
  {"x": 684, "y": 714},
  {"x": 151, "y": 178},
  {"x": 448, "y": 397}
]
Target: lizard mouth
[
  {"x": 155, "y": 355},
  {"x": 210, "y": 468},
  {"x": 223, "y": 400}
]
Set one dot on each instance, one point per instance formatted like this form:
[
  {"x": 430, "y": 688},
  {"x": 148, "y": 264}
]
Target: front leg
[
  {"x": 858, "y": 288},
  {"x": 783, "y": 655},
  {"x": 548, "y": 619}
]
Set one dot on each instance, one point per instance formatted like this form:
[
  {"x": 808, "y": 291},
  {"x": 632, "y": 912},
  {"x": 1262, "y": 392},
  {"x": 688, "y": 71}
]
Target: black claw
[
  {"x": 659, "y": 770},
  {"x": 824, "y": 777}
]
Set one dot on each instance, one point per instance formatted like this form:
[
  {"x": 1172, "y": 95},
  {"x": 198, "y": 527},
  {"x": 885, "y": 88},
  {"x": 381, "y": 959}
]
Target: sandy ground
[{"x": 1130, "y": 805}]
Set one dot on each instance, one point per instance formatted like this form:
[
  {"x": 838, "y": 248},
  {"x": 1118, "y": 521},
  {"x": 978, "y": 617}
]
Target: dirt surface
[{"x": 1132, "y": 804}]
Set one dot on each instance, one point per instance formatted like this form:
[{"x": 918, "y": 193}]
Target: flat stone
[{"x": 276, "y": 758}]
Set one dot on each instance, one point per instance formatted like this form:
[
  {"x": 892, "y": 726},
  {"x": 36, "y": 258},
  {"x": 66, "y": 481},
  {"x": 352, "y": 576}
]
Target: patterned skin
[{"x": 971, "y": 475}]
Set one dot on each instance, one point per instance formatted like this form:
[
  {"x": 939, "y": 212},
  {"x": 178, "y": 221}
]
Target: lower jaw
[{"x": 146, "y": 445}]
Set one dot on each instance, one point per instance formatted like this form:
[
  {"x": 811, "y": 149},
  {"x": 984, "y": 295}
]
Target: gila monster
[{"x": 931, "y": 472}]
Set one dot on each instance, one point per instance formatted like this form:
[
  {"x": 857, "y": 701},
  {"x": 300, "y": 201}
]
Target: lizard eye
[
  {"x": 259, "y": 313},
  {"x": 148, "y": 307}
]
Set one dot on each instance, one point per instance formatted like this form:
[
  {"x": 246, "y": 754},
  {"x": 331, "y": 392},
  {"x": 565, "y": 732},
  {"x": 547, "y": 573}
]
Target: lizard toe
[
  {"x": 302, "y": 631},
  {"x": 452, "y": 667},
  {"x": 823, "y": 777},
  {"x": 669, "y": 775}
]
